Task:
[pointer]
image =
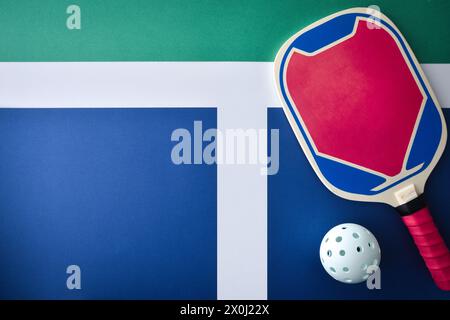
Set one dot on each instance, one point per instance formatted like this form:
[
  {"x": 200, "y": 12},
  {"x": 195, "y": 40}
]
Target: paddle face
[{"x": 360, "y": 106}]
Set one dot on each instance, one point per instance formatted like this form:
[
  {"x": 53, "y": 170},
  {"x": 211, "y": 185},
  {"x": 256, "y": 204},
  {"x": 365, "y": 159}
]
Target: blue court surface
[
  {"x": 301, "y": 210},
  {"x": 97, "y": 188}
]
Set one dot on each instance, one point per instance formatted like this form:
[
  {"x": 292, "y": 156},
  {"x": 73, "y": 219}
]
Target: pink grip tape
[{"x": 431, "y": 246}]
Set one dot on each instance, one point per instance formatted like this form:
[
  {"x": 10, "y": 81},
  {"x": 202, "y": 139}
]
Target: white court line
[
  {"x": 147, "y": 84},
  {"x": 241, "y": 91},
  {"x": 439, "y": 76}
]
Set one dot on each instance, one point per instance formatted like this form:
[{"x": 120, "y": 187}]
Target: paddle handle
[{"x": 431, "y": 246}]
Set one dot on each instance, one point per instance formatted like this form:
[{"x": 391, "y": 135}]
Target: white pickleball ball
[{"x": 346, "y": 252}]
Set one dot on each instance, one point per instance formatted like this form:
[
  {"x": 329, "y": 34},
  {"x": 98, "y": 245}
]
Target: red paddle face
[
  {"x": 361, "y": 107},
  {"x": 358, "y": 99}
]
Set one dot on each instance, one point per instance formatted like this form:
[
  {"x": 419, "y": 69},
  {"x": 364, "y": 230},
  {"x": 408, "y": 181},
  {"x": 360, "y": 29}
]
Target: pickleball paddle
[{"x": 367, "y": 118}]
